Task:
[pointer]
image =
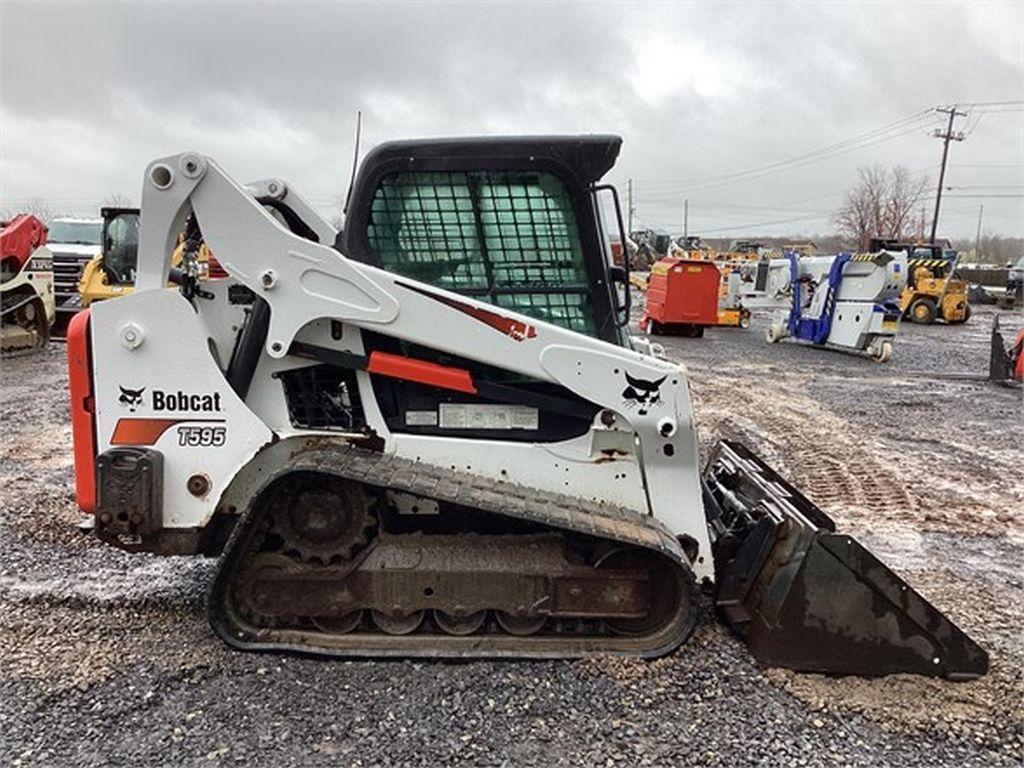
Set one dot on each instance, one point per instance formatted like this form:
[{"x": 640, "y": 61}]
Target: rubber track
[{"x": 557, "y": 511}]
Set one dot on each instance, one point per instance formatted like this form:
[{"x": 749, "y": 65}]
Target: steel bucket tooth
[{"x": 807, "y": 598}]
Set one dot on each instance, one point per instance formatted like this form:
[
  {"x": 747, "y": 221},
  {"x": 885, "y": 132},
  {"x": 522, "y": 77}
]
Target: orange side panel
[
  {"x": 83, "y": 426},
  {"x": 422, "y": 372}
]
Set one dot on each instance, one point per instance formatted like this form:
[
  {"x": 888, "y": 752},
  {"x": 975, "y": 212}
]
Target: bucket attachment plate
[{"x": 807, "y": 598}]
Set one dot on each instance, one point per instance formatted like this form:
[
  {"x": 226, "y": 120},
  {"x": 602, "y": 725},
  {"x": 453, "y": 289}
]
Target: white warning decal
[
  {"x": 421, "y": 418},
  {"x": 470, "y": 416}
]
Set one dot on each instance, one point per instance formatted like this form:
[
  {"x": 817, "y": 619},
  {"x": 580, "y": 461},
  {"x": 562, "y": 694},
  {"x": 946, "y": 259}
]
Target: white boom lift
[{"x": 846, "y": 302}]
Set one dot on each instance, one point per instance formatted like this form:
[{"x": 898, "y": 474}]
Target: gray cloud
[{"x": 91, "y": 92}]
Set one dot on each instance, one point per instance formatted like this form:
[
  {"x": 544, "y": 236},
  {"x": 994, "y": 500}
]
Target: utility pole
[
  {"x": 977, "y": 237},
  {"x": 686, "y": 218},
  {"x": 629, "y": 207},
  {"x": 946, "y": 137}
]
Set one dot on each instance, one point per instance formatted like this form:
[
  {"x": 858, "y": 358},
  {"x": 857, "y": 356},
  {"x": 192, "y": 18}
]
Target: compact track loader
[
  {"x": 26, "y": 286},
  {"x": 429, "y": 436}
]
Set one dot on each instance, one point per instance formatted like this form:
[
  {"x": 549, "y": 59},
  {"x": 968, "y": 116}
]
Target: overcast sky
[{"x": 699, "y": 91}]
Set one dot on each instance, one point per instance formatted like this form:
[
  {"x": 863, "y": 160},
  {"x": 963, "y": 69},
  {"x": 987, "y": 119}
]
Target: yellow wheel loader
[
  {"x": 431, "y": 435},
  {"x": 932, "y": 291}
]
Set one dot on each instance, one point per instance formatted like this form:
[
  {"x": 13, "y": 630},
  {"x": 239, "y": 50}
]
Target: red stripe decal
[
  {"x": 514, "y": 329},
  {"x": 141, "y": 431},
  {"x": 422, "y": 372}
]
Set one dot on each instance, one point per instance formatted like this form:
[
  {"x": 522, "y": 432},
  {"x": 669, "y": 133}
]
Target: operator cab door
[{"x": 513, "y": 222}]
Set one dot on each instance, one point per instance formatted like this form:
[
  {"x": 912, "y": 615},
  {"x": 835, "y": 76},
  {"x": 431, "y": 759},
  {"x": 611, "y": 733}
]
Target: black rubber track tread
[{"x": 557, "y": 511}]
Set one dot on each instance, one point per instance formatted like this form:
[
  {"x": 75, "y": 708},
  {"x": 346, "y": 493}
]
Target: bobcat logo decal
[
  {"x": 643, "y": 393},
  {"x": 131, "y": 397}
]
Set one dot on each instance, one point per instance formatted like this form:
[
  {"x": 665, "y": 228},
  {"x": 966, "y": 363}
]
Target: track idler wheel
[{"x": 668, "y": 595}]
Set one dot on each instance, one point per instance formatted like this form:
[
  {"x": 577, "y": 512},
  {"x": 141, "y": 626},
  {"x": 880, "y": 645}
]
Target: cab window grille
[
  {"x": 569, "y": 310},
  {"x": 507, "y": 237}
]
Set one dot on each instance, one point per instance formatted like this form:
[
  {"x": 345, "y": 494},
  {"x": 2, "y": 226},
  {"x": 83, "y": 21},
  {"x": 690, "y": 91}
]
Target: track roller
[{"x": 459, "y": 625}]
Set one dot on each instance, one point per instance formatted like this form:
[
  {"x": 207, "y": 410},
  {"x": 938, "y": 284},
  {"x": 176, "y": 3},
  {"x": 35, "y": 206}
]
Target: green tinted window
[{"x": 506, "y": 237}]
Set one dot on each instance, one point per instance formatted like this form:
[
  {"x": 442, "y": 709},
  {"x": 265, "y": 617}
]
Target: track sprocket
[{"x": 322, "y": 519}]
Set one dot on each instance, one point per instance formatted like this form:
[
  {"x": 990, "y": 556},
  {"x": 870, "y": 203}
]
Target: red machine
[
  {"x": 18, "y": 238},
  {"x": 682, "y": 297}
]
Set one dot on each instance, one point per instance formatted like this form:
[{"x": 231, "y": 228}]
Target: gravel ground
[{"x": 107, "y": 657}]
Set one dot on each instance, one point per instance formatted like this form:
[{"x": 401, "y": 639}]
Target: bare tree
[
  {"x": 992, "y": 249},
  {"x": 881, "y": 204},
  {"x": 39, "y": 207}
]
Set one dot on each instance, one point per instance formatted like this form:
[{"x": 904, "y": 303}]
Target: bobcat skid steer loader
[{"x": 430, "y": 436}]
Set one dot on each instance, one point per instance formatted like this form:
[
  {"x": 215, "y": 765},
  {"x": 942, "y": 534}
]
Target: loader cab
[
  {"x": 512, "y": 221},
  {"x": 120, "y": 244},
  {"x": 937, "y": 258},
  {"x": 111, "y": 272}
]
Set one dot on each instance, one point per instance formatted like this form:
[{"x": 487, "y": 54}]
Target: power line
[
  {"x": 760, "y": 224},
  {"x": 703, "y": 207},
  {"x": 866, "y": 139},
  {"x": 988, "y": 195},
  {"x": 1011, "y": 102},
  {"x": 810, "y": 161}
]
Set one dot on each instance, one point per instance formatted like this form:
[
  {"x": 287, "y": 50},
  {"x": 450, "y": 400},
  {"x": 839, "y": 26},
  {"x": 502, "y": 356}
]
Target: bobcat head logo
[
  {"x": 131, "y": 397},
  {"x": 643, "y": 393}
]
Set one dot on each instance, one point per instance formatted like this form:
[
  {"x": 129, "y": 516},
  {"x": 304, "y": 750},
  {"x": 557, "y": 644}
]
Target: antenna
[{"x": 355, "y": 160}]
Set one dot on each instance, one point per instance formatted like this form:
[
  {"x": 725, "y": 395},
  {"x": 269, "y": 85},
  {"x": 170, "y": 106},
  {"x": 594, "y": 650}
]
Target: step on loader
[{"x": 430, "y": 436}]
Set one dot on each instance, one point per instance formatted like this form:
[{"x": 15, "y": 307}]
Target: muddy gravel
[{"x": 107, "y": 658}]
